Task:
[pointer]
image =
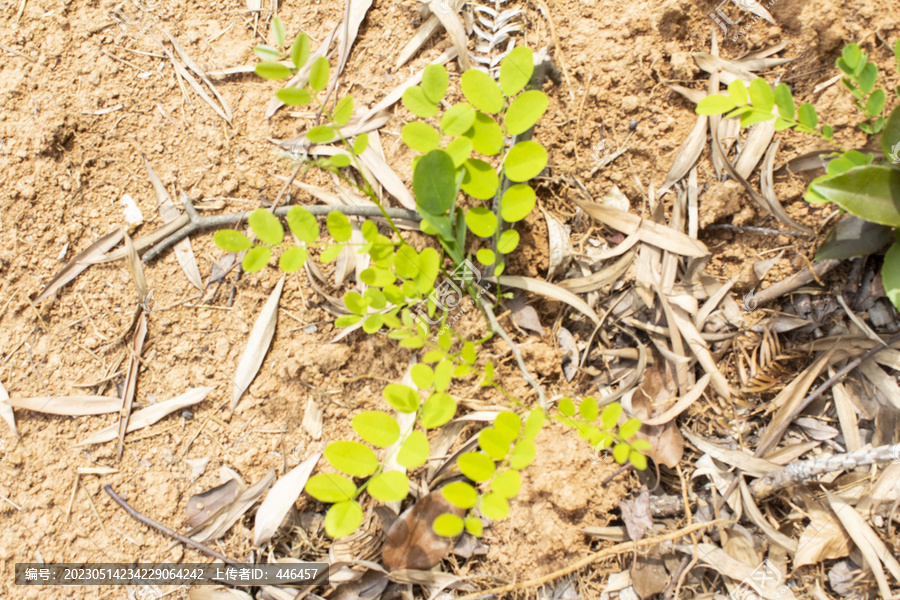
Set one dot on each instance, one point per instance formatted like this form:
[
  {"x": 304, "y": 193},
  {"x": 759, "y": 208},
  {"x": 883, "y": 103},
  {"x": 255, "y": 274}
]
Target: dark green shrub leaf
[
  {"x": 438, "y": 410},
  {"x": 890, "y": 274},
  {"x": 390, "y": 486},
  {"x": 524, "y": 161},
  {"x": 460, "y": 494},
  {"x": 434, "y": 83},
  {"x": 231, "y": 240},
  {"x": 272, "y": 70},
  {"x": 507, "y": 484},
  {"x": 292, "y": 259},
  {"x": 266, "y": 226},
  {"x": 508, "y": 241},
  {"x": 256, "y": 259},
  {"x": 303, "y": 224},
  {"x": 300, "y": 50},
  {"x": 294, "y": 96},
  {"x": 402, "y": 397},
  {"x": 516, "y": 69},
  {"x": 480, "y": 180},
  {"x": 352, "y": 458},
  {"x": 342, "y": 519},
  {"x": 476, "y": 466},
  {"x": 330, "y": 487},
  {"x": 495, "y": 507},
  {"x": 486, "y": 135},
  {"x": 448, "y": 525},
  {"x": 318, "y": 74},
  {"x": 871, "y": 192},
  {"x": 413, "y": 451},
  {"x": 714, "y": 104},
  {"x": 420, "y": 136},
  {"x": 434, "y": 182},
  {"x": 494, "y": 444},
  {"x": 416, "y": 102},
  {"x": 458, "y": 119},
  {"x": 481, "y": 91},
  {"x": 525, "y": 111}
]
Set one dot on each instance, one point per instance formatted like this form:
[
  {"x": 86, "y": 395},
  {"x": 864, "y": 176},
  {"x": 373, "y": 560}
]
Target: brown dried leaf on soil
[
  {"x": 230, "y": 515},
  {"x": 80, "y": 262},
  {"x": 205, "y": 505},
  {"x": 411, "y": 542}
]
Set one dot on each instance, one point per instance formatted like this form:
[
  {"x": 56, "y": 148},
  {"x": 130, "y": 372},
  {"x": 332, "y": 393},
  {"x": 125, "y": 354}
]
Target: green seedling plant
[
  {"x": 400, "y": 294},
  {"x": 859, "y": 183}
]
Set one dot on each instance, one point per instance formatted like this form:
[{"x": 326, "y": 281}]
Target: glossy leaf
[
  {"x": 870, "y": 192},
  {"x": 330, "y": 487},
  {"x": 376, "y": 427}
]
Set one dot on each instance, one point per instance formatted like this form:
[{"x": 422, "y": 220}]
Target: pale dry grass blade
[
  {"x": 6, "y": 411},
  {"x": 356, "y": 13},
  {"x": 710, "y": 305},
  {"x": 225, "y": 111},
  {"x": 765, "y": 52},
  {"x": 754, "y": 148},
  {"x": 730, "y": 71},
  {"x": 134, "y": 362},
  {"x": 714, "y": 120},
  {"x": 693, "y": 204},
  {"x": 846, "y": 416},
  {"x": 700, "y": 349},
  {"x": 80, "y": 262},
  {"x": 230, "y": 515},
  {"x": 136, "y": 268},
  {"x": 257, "y": 344},
  {"x": 756, "y": 515},
  {"x": 719, "y": 560},
  {"x": 445, "y": 11},
  {"x": 549, "y": 290},
  {"x": 683, "y": 403},
  {"x": 689, "y": 94},
  {"x": 651, "y": 233},
  {"x": 148, "y": 416},
  {"x": 858, "y": 321},
  {"x": 686, "y": 156},
  {"x": 68, "y": 406},
  {"x": 605, "y": 276},
  {"x": 885, "y": 383},
  {"x": 386, "y": 176},
  {"x": 561, "y": 250},
  {"x": 422, "y": 35},
  {"x": 280, "y": 499}
]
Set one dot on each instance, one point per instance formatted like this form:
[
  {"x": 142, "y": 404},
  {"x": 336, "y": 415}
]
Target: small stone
[{"x": 630, "y": 104}]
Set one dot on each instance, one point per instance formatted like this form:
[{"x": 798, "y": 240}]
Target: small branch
[
  {"x": 165, "y": 530},
  {"x": 542, "y": 399},
  {"x": 786, "y": 286}
]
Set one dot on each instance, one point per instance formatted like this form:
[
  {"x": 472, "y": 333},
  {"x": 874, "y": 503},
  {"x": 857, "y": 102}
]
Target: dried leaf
[
  {"x": 757, "y": 517},
  {"x": 730, "y": 71},
  {"x": 257, "y": 344},
  {"x": 278, "y": 503},
  {"x": 150, "y": 415},
  {"x": 411, "y": 543},
  {"x": 766, "y": 585},
  {"x": 605, "y": 276},
  {"x": 757, "y": 142},
  {"x": 550, "y": 290},
  {"x": 230, "y": 515},
  {"x": 698, "y": 346},
  {"x": 134, "y": 361},
  {"x": 445, "y": 11},
  {"x": 687, "y": 155},
  {"x": 561, "y": 250},
  {"x": 6, "y": 411},
  {"x": 205, "y": 505},
  {"x": 225, "y": 110},
  {"x": 636, "y": 515},
  {"x": 823, "y": 538},
  {"x": 735, "y": 458},
  {"x": 81, "y": 262},
  {"x": 369, "y": 587},
  {"x": 422, "y": 35},
  {"x": 567, "y": 342},
  {"x": 683, "y": 403},
  {"x": 524, "y": 315},
  {"x": 70, "y": 406},
  {"x": 312, "y": 419}
]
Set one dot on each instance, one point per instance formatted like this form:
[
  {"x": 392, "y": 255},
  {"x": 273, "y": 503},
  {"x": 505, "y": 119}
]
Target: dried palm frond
[{"x": 493, "y": 28}]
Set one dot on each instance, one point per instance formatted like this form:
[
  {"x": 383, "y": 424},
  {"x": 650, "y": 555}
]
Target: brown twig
[{"x": 165, "y": 530}]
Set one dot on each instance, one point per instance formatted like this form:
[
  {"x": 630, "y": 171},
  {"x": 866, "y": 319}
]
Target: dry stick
[
  {"x": 591, "y": 558},
  {"x": 165, "y": 530},
  {"x": 786, "y": 286}
]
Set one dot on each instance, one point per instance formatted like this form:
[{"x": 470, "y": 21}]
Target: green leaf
[
  {"x": 343, "y": 111},
  {"x": 737, "y": 91},
  {"x": 459, "y": 150},
  {"x": 300, "y": 50},
  {"x": 851, "y": 56},
  {"x": 525, "y": 160},
  {"x": 567, "y": 407},
  {"x": 330, "y": 487},
  {"x": 761, "y": 95},
  {"x": 755, "y": 116},
  {"x": 488, "y": 379},
  {"x": 458, "y": 119},
  {"x": 321, "y": 134},
  {"x": 714, "y": 104},
  {"x": 481, "y": 91},
  {"x": 375, "y": 298},
  {"x": 434, "y": 83},
  {"x": 278, "y": 31},
  {"x": 516, "y": 70},
  {"x": 508, "y": 241},
  {"x": 852, "y": 237},
  {"x": 868, "y": 77},
  {"x": 448, "y": 525},
  {"x": 331, "y": 253},
  {"x": 266, "y": 226},
  {"x": 460, "y": 494},
  {"x": 522, "y": 454},
  {"x": 318, "y": 74},
  {"x": 525, "y": 111},
  {"x": 781, "y": 124},
  {"x": 413, "y": 451},
  {"x": 438, "y": 410},
  {"x": 416, "y": 102},
  {"x": 486, "y": 135},
  {"x": 339, "y": 226},
  {"x": 480, "y": 180},
  {"x": 443, "y": 373},
  {"x": 610, "y": 415},
  {"x": 360, "y": 143},
  {"x": 588, "y": 408},
  {"x": 434, "y": 182},
  {"x": 870, "y": 192},
  {"x": 267, "y": 53},
  {"x": 352, "y": 458},
  {"x": 256, "y": 259},
  {"x": 875, "y": 104},
  {"x": 890, "y": 137},
  {"x": 621, "y": 451},
  {"x": 474, "y": 526},
  {"x": 377, "y": 277},
  {"x": 343, "y": 518},
  {"x": 784, "y": 100},
  {"x": 890, "y": 274},
  {"x": 402, "y": 397},
  {"x": 476, "y": 466},
  {"x": 806, "y": 115},
  {"x": 231, "y": 240},
  {"x": 423, "y": 376},
  {"x": 420, "y": 136},
  {"x": 508, "y": 424},
  {"x": 507, "y": 484},
  {"x": 294, "y": 96},
  {"x": 629, "y": 428},
  {"x": 494, "y": 444},
  {"x": 517, "y": 203},
  {"x": 468, "y": 353},
  {"x": 377, "y": 428},
  {"x": 272, "y": 70},
  {"x": 347, "y": 320},
  {"x": 303, "y": 224},
  {"x": 355, "y": 303},
  {"x": 495, "y": 507},
  {"x": 534, "y": 423},
  {"x": 390, "y": 486},
  {"x": 292, "y": 259},
  {"x": 638, "y": 460},
  {"x": 486, "y": 257}
]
